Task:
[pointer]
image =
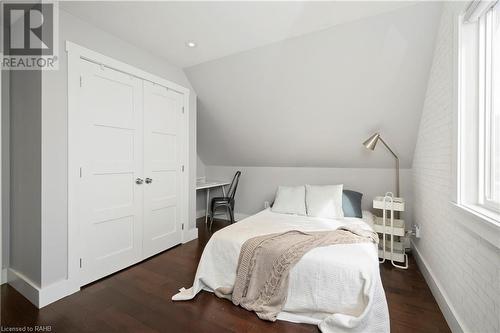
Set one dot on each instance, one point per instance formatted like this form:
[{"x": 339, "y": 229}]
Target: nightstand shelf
[
  {"x": 398, "y": 204},
  {"x": 398, "y": 253},
  {"x": 398, "y": 228},
  {"x": 398, "y": 246},
  {"x": 390, "y": 249}
]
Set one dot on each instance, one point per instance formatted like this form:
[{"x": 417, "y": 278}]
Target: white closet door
[
  {"x": 162, "y": 164},
  {"x": 111, "y": 146}
]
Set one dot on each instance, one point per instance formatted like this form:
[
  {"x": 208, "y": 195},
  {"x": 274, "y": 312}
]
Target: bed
[{"x": 336, "y": 287}]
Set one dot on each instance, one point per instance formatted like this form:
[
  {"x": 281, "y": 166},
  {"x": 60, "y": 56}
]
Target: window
[
  {"x": 492, "y": 109},
  {"x": 479, "y": 109}
]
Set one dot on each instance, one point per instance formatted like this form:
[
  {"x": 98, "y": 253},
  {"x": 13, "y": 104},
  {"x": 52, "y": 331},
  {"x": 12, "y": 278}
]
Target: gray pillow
[{"x": 351, "y": 203}]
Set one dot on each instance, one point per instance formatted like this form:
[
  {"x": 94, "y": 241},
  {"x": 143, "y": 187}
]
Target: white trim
[
  {"x": 186, "y": 188},
  {"x": 82, "y": 52},
  {"x": 24, "y": 286},
  {"x": 3, "y": 276},
  {"x": 75, "y": 54},
  {"x": 469, "y": 136},
  {"x": 480, "y": 224},
  {"x": 189, "y": 235},
  {"x": 40, "y": 297},
  {"x": 465, "y": 192},
  {"x": 467, "y": 71},
  {"x": 476, "y": 9},
  {"x": 56, "y": 291},
  {"x": 450, "y": 314}
]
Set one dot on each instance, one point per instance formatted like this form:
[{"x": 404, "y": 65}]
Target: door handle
[
  {"x": 139, "y": 181},
  {"x": 149, "y": 180}
]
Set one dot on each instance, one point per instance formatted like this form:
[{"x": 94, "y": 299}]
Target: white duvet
[{"x": 337, "y": 287}]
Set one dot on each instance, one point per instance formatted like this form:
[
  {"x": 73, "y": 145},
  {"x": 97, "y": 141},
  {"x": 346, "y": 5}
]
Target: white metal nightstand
[{"x": 388, "y": 225}]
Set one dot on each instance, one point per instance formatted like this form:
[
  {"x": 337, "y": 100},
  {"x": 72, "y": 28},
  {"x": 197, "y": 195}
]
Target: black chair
[{"x": 226, "y": 202}]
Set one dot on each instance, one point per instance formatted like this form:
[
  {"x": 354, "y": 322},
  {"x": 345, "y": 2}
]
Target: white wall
[
  {"x": 310, "y": 101},
  {"x": 5, "y": 160},
  {"x": 258, "y": 184},
  {"x": 462, "y": 268},
  {"x": 54, "y": 133},
  {"x": 200, "y": 167},
  {"x": 25, "y": 159},
  {"x": 200, "y": 195}
]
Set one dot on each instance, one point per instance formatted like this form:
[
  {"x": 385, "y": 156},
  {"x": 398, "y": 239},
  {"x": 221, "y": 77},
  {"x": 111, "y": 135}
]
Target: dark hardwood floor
[{"x": 138, "y": 300}]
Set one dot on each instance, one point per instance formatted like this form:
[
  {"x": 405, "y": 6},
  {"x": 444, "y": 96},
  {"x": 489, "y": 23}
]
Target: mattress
[{"x": 336, "y": 287}]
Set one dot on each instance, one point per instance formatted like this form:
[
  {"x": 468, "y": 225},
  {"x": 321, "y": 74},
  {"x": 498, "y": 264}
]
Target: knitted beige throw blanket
[{"x": 265, "y": 262}]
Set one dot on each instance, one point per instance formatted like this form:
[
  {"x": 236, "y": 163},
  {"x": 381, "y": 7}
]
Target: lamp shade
[{"x": 371, "y": 142}]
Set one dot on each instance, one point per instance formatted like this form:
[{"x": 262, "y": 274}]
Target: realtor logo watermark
[{"x": 30, "y": 39}]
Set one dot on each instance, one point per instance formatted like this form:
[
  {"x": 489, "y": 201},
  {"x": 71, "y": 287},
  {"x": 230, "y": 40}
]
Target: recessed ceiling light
[{"x": 191, "y": 44}]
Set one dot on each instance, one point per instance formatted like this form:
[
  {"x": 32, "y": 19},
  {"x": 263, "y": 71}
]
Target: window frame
[
  {"x": 473, "y": 86},
  {"x": 486, "y": 35},
  {"x": 485, "y": 110}
]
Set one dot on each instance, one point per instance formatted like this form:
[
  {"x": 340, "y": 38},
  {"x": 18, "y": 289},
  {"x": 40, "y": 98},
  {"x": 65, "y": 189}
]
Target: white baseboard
[
  {"x": 24, "y": 286},
  {"x": 40, "y": 297},
  {"x": 3, "y": 276},
  {"x": 55, "y": 292},
  {"x": 449, "y": 312},
  {"x": 189, "y": 235}
]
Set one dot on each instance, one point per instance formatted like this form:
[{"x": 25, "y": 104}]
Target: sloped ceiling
[
  {"x": 313, "y": 99},
  {"x": 220, "y": 28}
]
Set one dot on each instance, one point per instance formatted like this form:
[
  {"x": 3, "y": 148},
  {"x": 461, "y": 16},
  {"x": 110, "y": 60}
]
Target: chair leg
[
  {"x": 211, "y": 219},
  {"x": 231, "y": 214}
]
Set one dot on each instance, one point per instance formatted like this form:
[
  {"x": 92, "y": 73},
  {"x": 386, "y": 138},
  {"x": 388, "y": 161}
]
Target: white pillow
[
  {"x": 290, "y": 200},
  {"x": 324, "y": 201}
]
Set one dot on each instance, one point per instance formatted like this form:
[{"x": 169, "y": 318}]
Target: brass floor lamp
[{"x": 371, "y": 143}]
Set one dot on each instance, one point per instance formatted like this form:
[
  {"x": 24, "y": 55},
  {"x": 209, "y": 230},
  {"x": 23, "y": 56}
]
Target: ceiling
[
  {"x": 290, "y": 83},
  {"x": 312, "y": 100},
  {"x": 219, "y": 28}
]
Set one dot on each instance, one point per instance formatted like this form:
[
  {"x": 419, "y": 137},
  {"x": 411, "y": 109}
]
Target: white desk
[{"x": 207, "y": 185}]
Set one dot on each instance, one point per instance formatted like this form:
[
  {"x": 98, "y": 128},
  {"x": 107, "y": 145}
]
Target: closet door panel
[
  {"x": 162, "y": 121},
  {"x": 111, "y": 133}
]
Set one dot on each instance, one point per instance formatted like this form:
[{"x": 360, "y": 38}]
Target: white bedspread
[{"x": 336, "y": 287}]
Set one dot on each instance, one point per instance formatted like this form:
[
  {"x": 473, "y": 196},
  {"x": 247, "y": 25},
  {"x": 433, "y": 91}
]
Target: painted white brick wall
[{"x": 465, "y": 266}]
